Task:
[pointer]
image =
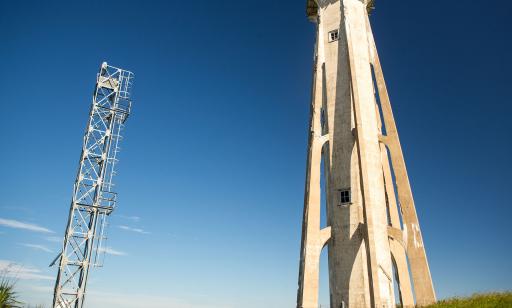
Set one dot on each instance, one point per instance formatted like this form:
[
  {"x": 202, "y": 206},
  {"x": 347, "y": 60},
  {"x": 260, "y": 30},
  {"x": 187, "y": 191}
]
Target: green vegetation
[
  {"x": 8, "y": 297},
  {"x": 488, "y": 300}
]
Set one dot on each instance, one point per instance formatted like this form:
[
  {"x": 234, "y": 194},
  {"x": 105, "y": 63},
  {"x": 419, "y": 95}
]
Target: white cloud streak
[
  {"x": 110, "y": 251},
  {"x": 22, "y": 272},
  {"x": 54, "y": 239},
  {"x": 134, "y": 218},
  {"x": 137, "y": 230},
  {"x": 37, "y": 247},
  {"x": 18, "y": 208},
  {"x": 11, "y": 223}
]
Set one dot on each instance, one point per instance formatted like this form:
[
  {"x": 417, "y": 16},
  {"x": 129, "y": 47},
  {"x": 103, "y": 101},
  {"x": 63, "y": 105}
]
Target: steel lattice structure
[{"x": 93, "y": 198}]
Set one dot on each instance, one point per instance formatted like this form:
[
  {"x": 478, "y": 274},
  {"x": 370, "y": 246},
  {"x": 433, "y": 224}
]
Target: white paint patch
[
  {"x": 418, "y": 243},
  {"x": 405, "y": 235}
]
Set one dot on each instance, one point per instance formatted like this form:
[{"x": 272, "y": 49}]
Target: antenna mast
[{"x": 93, "y": 198}]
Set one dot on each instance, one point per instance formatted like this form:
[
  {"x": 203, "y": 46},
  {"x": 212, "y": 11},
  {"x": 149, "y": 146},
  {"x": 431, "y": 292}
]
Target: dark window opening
[
  {"x": 345, "y": 196},
  {"x": 334, "y": 35}
]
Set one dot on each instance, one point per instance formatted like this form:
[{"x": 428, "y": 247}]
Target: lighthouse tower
[{"x": 372, "y": 231}]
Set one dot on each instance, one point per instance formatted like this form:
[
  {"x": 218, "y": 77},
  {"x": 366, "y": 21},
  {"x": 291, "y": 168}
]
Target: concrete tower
[{"x": 372, "y": 231}]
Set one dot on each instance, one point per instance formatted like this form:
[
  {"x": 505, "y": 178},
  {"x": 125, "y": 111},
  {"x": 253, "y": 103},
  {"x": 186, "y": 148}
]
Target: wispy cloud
[
  {"x": 134, "y": 229},
  {"x": 110, "y": 251},
  {"x": 19, "y": 271},
  {"x": 37, "y": 247},
  {"x": 102, "y": 299},
  {"x": 11, "y": 223},
  {"x": 23, "y": 209},
  {"x": 42, "y": 289},
  {"x": 134, "y": 218},
  {"x": 54, "y": 239}
]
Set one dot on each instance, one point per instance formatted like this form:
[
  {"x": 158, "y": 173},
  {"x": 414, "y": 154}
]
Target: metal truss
[{"x": 93, "y": 198}]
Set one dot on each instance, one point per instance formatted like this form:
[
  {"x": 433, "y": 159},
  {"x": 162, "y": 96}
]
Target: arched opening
[
  {"x": 323, "y": 288},
  {"x": 396, "y": 283},
  {"x": 323, "y": 193},
  {"x": 394, "y": 194}
]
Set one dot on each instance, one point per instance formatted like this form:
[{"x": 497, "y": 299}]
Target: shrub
[{"x": 8, "y": 296}]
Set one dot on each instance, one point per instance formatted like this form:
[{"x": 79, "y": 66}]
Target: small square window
[
  {"x": 334, "y": 35},
  {"x": 345, "y": 197}
]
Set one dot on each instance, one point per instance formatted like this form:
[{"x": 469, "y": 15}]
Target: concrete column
[
  {"x": 370, "y": 164},
  {"x": 313, "y": 238},
  {"x": 423, "y": 287},
  {"x": 397, "y": 247},
  {"x": 348, "y": 263}
]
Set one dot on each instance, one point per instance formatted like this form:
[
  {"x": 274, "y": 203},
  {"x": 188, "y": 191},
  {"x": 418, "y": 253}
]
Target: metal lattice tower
[{"x": 93, "y": 198}]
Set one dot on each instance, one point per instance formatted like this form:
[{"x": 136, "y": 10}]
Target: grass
[{"x": 487, "y": 300}]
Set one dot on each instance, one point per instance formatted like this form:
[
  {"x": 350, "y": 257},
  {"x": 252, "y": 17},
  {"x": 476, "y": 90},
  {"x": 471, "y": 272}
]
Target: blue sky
[{"x": 212, "y": 168}]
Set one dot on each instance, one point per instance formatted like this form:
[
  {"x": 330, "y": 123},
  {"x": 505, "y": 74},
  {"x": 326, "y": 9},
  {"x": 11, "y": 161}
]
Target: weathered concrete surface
[{"x": 346, "y": 132}]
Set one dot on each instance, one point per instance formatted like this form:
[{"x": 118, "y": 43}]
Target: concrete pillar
[
  {"x": 422, "y": 280},
  {"x": 313, "y": 238}
]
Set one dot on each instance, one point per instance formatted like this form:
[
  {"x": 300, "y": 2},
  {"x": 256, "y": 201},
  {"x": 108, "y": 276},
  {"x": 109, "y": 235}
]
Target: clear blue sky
[{"x": 214, "y": 157}]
